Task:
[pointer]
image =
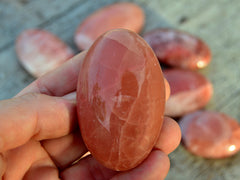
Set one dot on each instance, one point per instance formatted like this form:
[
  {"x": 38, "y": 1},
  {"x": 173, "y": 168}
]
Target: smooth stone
[
  {"x": 178, "y": 48},
  {"x": 120, "y": 99},
  {"x": 39, "y": 51},
  {"x": 210, "y": 134},
  {"x": 190, "y": 91},
  {"x": 119, "y": 15}
]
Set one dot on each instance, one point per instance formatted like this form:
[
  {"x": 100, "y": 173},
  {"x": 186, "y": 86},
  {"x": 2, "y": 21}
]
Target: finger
[
  {"x": 156, "y": 166},
  {"x": 35, "y": 116},
  {"x": 23, "y": 160},
  {"x": 88, "y": 169},
  {"x": 167, "y": 89},
  {"x": 59, "y": 82},
  {"x": 170, "y": 136},
  {"x": 65, "y": 150},
  {"x": 71, "y": 96},
  {"x": 42, "y": 169},
  {"x": 2, "y": 166}
]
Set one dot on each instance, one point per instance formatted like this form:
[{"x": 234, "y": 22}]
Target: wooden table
[{"x": 216, "y": 22}]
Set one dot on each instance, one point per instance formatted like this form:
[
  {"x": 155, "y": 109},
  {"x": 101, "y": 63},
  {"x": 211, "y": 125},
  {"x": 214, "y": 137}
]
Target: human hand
[{"x": 40, "y": 139}]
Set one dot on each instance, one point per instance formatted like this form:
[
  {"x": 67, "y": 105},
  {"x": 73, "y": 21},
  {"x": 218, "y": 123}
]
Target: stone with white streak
[
  {"x": 210, "y": 134},
  {"x": 190, "y": 91},
  {"x": 40, "y": 51}
]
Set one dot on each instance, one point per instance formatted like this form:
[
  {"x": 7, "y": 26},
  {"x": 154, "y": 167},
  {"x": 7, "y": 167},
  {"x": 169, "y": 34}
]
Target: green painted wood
[{"x": 216, "y": 22}]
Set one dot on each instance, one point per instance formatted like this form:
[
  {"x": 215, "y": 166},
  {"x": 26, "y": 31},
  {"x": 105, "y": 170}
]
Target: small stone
[
  {"x": 120, "y": 99},
  {"x": 119, "y": 15},
  {"x": 210, "y": 134},
  {"x": 178, "y": 48},
  {"x": 40, "y": 51},
  {"x": 190, "y": 91}
]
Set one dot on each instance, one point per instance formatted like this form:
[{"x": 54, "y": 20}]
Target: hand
[{"x": 40, "y": 139}]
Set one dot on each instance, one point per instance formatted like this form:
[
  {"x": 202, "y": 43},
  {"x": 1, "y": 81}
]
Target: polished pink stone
[
  {"x": 210, "y": 134},
  {"x": 40, "y": 51},
  {"x": 120, "y": 99},
  {"x": 178, "y": 48},
  {"x": 119, "y": 15},
  {"x": 190, "y": 91}
]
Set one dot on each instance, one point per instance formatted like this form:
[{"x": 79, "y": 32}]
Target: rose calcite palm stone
[
  {"x": 125, "y": 15},
  {"x": 210, "y": 134},
  {"x": 40, "y": 51},
  {"x": 120, "y": 99},
  {"x": 190, "y": 91},
  {"x": 178, "y": 48}
]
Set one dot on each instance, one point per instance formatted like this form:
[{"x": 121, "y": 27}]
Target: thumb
[{"x": 34, "y": 116}]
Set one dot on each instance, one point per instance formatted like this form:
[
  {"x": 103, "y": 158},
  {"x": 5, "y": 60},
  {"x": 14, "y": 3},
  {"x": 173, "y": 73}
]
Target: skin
[{"x": 39, "y": 138}]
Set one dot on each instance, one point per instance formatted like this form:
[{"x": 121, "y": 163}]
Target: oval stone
[
  {"x": 120, "y": 99},
  {"x": 190, "y": 91},
  {"x": 119, "y": 15},
  {"x": 178, "y": 48},
  {"x": 40, "y": 51},
  {"x": 210, "y": 134}
]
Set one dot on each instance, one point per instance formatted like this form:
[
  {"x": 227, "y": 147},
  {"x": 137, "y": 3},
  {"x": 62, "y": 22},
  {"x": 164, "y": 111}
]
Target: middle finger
[{"x": 65, "y": 150}]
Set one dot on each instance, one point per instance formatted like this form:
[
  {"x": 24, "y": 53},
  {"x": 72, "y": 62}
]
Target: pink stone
[
  {"x": 210, "y": 134},
  {"x": 190, "y": 91},
  {"x": 40, "y": 51},
  {"x": 120, "y": 99},
  {"x": 119, "y": 15},
  {"x": 178, "y": 48}
]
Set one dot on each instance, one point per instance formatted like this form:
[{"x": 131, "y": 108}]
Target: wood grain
[{"x": 216, "y": 22}]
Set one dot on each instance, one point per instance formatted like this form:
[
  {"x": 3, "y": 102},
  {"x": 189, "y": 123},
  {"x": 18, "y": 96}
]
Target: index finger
[
  {"x": 35, "y": 116},
  {"x": 60, "y": 81}
]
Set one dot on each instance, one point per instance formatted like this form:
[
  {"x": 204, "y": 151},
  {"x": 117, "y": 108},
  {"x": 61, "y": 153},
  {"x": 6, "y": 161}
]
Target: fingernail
[{"x": 71, "y": 96}]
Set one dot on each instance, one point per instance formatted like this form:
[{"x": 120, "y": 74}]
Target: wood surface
[{"x": 216, "y": 22}]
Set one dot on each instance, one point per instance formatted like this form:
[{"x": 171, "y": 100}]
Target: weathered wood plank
[
  {"x": 13, "y": 20},
  {"x": 13, "y": 77},
  {"x": 30, "y": 14}
]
